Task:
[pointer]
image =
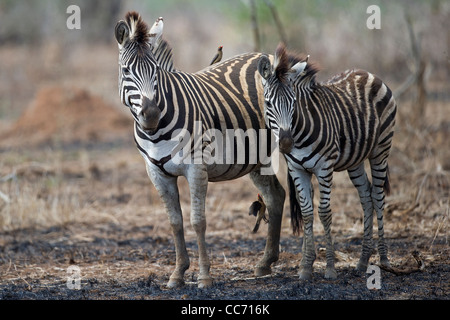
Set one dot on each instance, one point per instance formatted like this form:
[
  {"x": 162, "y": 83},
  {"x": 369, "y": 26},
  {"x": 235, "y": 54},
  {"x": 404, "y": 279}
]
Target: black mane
[{"x": 139, "y": 29}]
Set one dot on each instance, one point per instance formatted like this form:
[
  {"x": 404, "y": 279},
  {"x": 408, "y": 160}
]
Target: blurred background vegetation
[{"x": 334, "y": 33}]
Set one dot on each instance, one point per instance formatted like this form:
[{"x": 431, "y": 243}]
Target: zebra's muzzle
[
  {"x": 286, "y": 141},
  {"x": 149, "y": 116}
]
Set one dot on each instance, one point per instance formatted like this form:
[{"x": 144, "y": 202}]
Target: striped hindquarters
[{"x": 361, "y": 110}]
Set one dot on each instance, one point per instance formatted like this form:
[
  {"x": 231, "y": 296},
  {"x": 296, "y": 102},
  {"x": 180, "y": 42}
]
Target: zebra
[
  {"x": 227, "y": 95},
  {"x": 327, "y": 127}
]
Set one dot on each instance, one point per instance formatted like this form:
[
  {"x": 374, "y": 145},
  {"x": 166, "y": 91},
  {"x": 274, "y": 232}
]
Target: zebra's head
[
  {"x": 279, "y": 95},
  {"x": 138, "y": 69}
]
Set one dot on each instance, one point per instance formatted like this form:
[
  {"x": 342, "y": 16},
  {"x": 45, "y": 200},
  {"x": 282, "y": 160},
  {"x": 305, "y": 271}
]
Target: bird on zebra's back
[
  {"x": 218, "y": 56},
  {"x": 171, "y": 108},
  {"x": 156, "y": 30},
  {"x": 162, "y": 52},
  {"x": 325, "y": 127}
]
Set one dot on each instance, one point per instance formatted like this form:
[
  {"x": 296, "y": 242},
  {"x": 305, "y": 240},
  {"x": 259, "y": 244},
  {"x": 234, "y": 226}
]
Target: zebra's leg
[
  {"x": 198, "y": 184},
  {"x": 302, "y": 182},
  {"x": 273, "y": 195},
  {"x": 168, "y": 191},
  {"x": 361, "y": 182},
  {"x": 325, "y": 180},
  {"x": 379, "y": 178}
]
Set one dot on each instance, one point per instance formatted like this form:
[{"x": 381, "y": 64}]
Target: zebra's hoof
[
  {"x": 262, "y": 271},
  {"x": 385, "y": 262},
  {"x": 330, "y": 274},
  {"x": 362, "y": 265},
  {"x": 205, "y": 283},
  {"x": 305, "y": 274},
  {"x": 175, "y": 283}
]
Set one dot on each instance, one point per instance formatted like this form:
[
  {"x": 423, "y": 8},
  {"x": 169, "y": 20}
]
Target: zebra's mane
[
  {"x": 140, "y": 35},
  {"x": 139, "y": 31},
  {"x": 282, "y": 64},
  {"x": 311, "y": 68},
  {"x": 163, "y": 54},
  {"x": 287, "y": 59}
]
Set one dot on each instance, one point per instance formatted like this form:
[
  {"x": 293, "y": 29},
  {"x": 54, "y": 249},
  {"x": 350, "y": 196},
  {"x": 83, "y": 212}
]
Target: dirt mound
[{"x": 60, "y": 115}]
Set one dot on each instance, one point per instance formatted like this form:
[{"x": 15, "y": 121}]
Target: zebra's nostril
[
  {"x": 150, "y": 114},
  {"x": 286, "y": 142}
]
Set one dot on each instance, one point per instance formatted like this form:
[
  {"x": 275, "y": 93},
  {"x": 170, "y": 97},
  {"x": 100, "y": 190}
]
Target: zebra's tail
[
  {"x": 296, "y": 213},
  {"x": 387, "y": 185}
]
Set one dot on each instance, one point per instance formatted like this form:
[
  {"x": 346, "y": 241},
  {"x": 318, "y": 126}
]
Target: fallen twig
[{"x": 420, "y": 266}]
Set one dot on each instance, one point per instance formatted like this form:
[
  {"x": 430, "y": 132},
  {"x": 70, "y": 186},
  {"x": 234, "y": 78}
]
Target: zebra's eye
[
  {"x": 126, "y": 72},
  {"x": 268, "y": 103}
]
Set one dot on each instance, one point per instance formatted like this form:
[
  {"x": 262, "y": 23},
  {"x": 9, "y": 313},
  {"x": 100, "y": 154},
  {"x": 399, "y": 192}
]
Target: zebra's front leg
[
  {"x": 273, "y": 195},
  {"x": 302, "y": 181},
  {"x": 325, "y": 182},
  {"x": 198, "y": 184},
  {"x": 168, "y": 191}
]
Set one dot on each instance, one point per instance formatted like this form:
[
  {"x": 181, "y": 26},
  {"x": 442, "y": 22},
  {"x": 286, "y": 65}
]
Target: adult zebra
[
  {"x": 224, "y": 96},
  {"x": 327, "y": 127}
]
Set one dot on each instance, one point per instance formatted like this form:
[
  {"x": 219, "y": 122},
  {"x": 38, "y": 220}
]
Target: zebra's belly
[
  {"x": 351, "y": 159},
  {"x": 227, "y": 158},
  {"x": 310, "y": 160},
  {"x": 173, "y": 165},
  {"x": 216, "y": 172},
  {"x": 225, "y": 172}
]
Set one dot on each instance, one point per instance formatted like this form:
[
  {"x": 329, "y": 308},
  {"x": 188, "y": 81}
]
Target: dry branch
[
  {"x": 417, "y": 76},
  {"x": 255, "y": 27},
  {"x": 397, "y": 271},
  {"x": 276, "y": 18}
]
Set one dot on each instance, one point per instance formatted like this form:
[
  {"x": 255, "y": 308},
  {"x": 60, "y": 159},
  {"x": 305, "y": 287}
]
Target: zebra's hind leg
[
  {"x": 273, "y": 195},
  {"x": 325, "y": 180},
  {"x": 380, "y": 185},
  {"x": 168, "y": 191},
  {"x": 359, "y": 179},
  {"x": 198, "y": 185}
]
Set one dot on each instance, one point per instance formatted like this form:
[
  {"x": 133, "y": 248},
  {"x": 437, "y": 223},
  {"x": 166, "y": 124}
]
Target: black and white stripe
[
  {"x": 334, "y": 126},
  {"x": 225, "y": 96}
]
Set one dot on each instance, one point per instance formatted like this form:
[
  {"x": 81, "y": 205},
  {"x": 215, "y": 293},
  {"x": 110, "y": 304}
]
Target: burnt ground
[{"x": 134, "y": 261}]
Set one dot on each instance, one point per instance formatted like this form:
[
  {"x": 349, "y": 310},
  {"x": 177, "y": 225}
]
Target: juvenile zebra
[
  {"x": 163, "y": 101},
  {"x": 327, "y": 127}
]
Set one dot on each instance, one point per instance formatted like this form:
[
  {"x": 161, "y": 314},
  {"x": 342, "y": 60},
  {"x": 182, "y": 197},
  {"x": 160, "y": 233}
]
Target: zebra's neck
[
  {"x": 170, "y": 99},
  {"x": 302, "y": 119},
  {"x": 162, "y": 53},
  {"x": 308, "y": 113}
]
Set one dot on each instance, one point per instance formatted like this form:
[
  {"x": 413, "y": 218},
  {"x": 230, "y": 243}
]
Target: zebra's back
[{"x": 354, "y": 114}]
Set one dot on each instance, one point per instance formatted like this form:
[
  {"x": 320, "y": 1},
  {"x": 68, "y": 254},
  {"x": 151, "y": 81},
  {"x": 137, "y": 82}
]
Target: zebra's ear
[
  {"x": 297, "y": 69},
  {"x": 156, "y": 31},
  {"x": 122, "y": 33},
  {"x": 264, "y": 67}
]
